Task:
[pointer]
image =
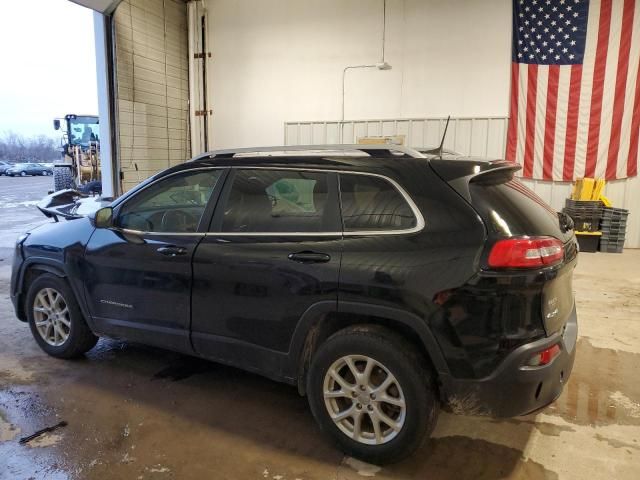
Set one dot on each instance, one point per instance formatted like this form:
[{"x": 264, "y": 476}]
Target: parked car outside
[
  {"x": 379, "y": 281},
  {"x": 4, "y": 166},
  {"x": 24, "y": 169}
]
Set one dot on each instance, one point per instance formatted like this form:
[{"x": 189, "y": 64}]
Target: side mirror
[
  {"x": 56, "y": 124},
  {"x": 103, "y": 218}
]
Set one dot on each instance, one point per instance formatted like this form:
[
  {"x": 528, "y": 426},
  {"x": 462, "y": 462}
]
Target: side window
[
  {"x": 172, "y": 205},
  {"x": 279, "y": 201},
  {"x": 373, "y": 203}
]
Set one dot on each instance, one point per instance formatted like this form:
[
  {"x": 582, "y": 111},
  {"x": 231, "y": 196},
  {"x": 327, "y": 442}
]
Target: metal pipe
[
  {"x": 384, "y": 26},
  {"x": 382, "y": 65}
]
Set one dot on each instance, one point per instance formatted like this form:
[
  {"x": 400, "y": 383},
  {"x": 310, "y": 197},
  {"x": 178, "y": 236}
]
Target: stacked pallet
[
  {"x": 614, "y": 226},
  {"x": 597, "y": 224},
  {"x": 586, "y": 214}
]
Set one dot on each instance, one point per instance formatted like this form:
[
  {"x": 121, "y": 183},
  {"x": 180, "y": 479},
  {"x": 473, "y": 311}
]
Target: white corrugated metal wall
[
  {"x": 477, "y": 136},
  {"x": 481, "y": 136}
]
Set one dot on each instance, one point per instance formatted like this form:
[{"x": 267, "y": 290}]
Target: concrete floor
[{"x": 143, "y": 413}]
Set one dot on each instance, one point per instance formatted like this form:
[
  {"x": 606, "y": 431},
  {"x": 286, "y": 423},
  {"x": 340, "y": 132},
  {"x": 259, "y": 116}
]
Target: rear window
[
  {"x": 373, "y": 204},
  {"x": 510, "y": 208}
]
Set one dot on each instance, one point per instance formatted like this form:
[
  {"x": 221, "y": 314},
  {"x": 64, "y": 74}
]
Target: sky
[{"x": 47, "y": 64}]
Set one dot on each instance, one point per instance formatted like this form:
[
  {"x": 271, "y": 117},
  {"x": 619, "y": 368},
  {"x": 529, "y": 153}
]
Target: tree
[{"x": 17, "y": 148}]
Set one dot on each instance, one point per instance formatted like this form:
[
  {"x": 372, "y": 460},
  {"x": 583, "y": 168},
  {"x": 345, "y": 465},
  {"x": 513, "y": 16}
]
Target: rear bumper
[{"x": 514, "y": 389}]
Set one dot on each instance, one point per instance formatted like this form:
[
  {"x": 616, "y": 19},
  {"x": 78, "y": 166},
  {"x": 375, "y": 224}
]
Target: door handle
[
  {"x": 309, "y": 257},
  {"x": 172, "y": 250}
]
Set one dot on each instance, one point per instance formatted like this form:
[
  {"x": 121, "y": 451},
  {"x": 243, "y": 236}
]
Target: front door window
[{"x": 172, "y": 205}]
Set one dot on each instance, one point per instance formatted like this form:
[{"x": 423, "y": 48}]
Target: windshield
[{"x": 83, "y": 130}]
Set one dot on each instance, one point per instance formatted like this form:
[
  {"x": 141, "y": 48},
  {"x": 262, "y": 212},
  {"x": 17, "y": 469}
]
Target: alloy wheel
[
  {"x": 364, "y": 399},
  {"x": 52, "y": 317}
]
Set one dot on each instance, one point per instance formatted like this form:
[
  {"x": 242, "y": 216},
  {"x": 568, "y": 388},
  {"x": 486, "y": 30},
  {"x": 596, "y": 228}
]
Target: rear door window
[
  {"x": 280, "y": 201},
  {"x": 371, "y": 203}
]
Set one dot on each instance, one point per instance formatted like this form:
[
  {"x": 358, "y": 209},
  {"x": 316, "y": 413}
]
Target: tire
[
  {"x": 62, "y": 178},
  {"x": 75, "y": 337},
  {"x": 413, "y": 382},
  {"x": 23, "y": 174}
]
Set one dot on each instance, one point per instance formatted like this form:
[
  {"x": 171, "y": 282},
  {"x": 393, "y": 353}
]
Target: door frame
[
  {"x": 143, "y": 236},
  {"x": 264, "y": 360}
]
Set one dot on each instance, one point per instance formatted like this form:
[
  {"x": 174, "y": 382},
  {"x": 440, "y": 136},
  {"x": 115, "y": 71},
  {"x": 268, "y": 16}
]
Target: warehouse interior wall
[
  {"x": 278, "y": 61},
  {"x": 151, "y": 67},
  {"x": 279, "y": 64},
  {"x": 275, "y": 61}
]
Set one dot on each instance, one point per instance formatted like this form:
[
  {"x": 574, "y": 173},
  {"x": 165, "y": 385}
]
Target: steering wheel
[
  {"x": 148, "y": 224},
  {"x": 178, "y": 221}
]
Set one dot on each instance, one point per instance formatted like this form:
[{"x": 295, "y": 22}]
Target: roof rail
[{"x": 386, "y": 150}]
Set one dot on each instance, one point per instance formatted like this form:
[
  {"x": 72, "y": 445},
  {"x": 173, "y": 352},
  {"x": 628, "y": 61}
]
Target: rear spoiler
[
  {"x": 460, "y": 173},
  {"x": 63, "y": 203}
]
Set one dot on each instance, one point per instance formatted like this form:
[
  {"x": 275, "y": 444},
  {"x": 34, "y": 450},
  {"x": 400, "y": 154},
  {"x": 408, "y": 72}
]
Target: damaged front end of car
[{"x": 71, "y": 204}]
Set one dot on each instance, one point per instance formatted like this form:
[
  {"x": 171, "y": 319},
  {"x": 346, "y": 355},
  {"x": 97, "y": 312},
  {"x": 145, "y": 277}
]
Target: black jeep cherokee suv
[{"x": 378, "y": 280}]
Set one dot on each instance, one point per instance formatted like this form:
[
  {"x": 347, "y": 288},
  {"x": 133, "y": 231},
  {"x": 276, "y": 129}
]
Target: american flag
[{"x": 575, "y": 89}]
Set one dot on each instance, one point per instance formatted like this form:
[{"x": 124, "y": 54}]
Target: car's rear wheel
[
  {"x": 55, "y": 318},
  {"x": 372, "y": 392},
  {"x": 23, "y": 174}
]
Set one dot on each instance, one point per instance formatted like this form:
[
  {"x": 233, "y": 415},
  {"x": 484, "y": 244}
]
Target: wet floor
[{"x": 136, "y": 412}]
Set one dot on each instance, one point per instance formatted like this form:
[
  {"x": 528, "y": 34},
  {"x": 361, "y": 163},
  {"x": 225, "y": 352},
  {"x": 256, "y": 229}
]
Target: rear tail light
[
  {"x": 526, "y": 252},
  {"x": 544, "y": 357}
]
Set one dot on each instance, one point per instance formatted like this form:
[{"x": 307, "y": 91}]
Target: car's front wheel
[
  {"x": 63, "y": 178},
  {"x": 373, "y": 393},
  {"x": 23, "y": 174},
  {"x": 55, "y": 318}
]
